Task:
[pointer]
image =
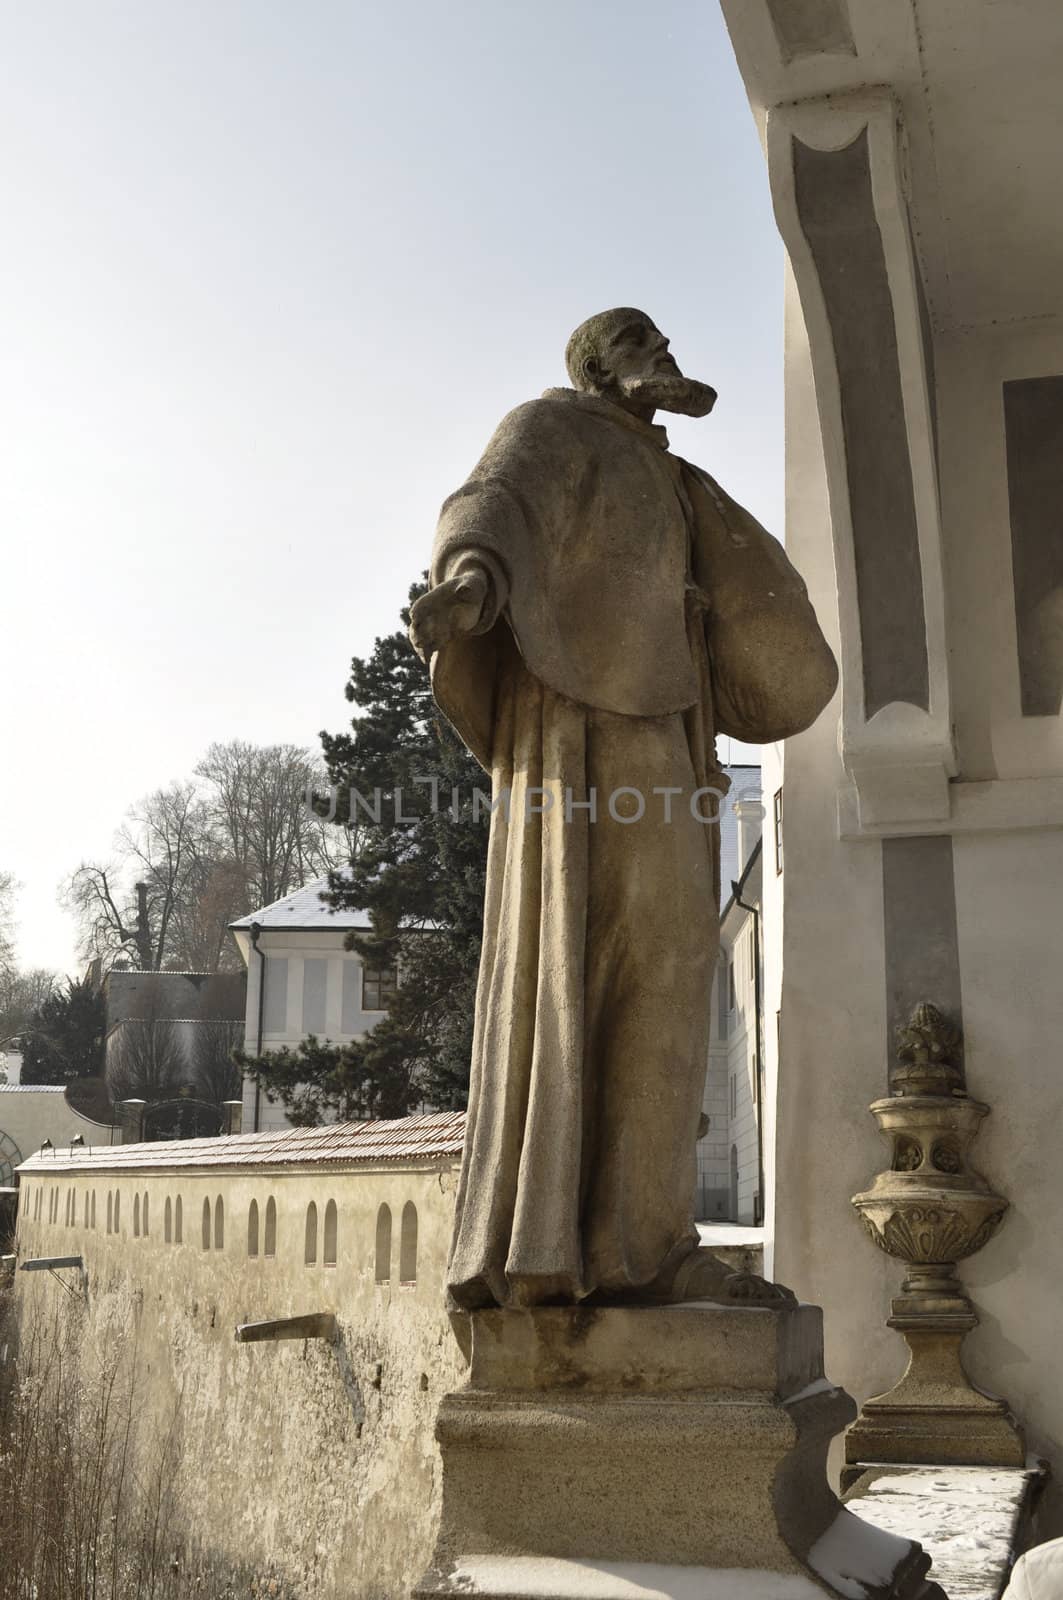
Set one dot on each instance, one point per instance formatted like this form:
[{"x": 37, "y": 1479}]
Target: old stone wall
[{"x": 307, "y": 1468}]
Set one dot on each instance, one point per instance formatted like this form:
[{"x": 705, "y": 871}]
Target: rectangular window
[
  {"x": 315, "y": 976},
  {"x": 777, "y": 810},
  {"x": 275, "y": 1009},
  {"x": 378, "y": 987},
  {"x": 352, "y": 997}
]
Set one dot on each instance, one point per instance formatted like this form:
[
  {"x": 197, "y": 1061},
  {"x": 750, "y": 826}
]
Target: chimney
[{"x": 131, "y": 1113}]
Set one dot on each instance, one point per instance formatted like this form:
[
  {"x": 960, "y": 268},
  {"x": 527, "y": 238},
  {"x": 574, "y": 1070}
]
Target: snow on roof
[
  {"x": 304, "y": 909},
  {"x": 153, "y": 972},
  {"x": 426, "y": 1137},
  {"x": 32, "y": 1088}
]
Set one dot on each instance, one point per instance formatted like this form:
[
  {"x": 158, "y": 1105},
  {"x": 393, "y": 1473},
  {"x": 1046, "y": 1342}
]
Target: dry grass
[{"x": 86, "y": 1511}]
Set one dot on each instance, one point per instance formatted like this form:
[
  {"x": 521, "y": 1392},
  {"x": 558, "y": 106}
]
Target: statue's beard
[{"x": 670, "y": 391}]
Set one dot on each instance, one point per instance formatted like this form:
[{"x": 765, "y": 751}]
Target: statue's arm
[
  {"x": 482, "y": 541},
  {"x": 773, "y": 671},
  {"x": 470, "y": 592}
]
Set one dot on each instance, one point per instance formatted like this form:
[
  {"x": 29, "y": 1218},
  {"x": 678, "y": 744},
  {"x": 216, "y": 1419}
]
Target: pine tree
[
  {"x": 405, "y": 783},
  {"x": 63, "y": 1039}
]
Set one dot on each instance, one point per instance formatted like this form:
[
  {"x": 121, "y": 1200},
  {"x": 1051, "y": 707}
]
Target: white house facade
[
  {"x": 301, "y": 981},
  {"x": 730, "y": 1184}
]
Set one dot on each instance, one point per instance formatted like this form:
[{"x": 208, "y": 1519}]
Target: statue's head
[{"x": 621, "y": 355}]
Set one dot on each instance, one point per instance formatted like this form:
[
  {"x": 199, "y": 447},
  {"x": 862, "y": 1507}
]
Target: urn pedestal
[
  {"x": 931, "y": 1210},
  {"x": 621, "y": 1452}
]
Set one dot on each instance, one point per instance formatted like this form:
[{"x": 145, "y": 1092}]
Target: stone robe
[{"x": 633, "y": 611}]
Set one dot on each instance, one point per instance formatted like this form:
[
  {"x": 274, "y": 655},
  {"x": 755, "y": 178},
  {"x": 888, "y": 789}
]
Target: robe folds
[{"x": 633, "y": 611}]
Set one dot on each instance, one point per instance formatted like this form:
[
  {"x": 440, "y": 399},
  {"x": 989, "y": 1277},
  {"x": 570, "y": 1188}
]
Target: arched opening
[
  {"x": 408, "y": 1244},
  {"x": 110, "y": 1211},
  {"x": 219, "y": 1224},
  {"x": 86, "y": 1216},
  {"x": 328, "y": 1249},
  {"x": 734, "y": 1183},
  {"x": 252, "y": 1229},
  {"x": 269, "y": 1242},
  {"x": 144, "y": 1215},
  {"x": 136, "y": 1216},
  {"x": 118, "y": 1211},
  {"x": 178, "y": 1221},
  {"x": 167, "y": 1221},
  {"x": 206, "y": 1225},
  {"x": 93, "y": 1223},
  {"x": 383, "y": 1245},
  {"x": 310, "y": 1247}
]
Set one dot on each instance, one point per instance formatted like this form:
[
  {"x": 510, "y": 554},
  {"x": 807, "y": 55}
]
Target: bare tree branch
[{"x": 215, "y": 1074}]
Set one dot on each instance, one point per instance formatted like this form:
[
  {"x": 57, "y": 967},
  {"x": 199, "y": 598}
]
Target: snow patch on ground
[
  {"x": 855, "y": 1557},
  {"x": 729, "y": 1233},
  {"x": 820, "y": 1386},
  {"x": 545, "y": 1578},
  {"x": 964, "y": 1517}
]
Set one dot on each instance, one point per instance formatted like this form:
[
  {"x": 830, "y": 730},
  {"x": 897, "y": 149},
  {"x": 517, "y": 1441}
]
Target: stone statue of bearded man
[{"x": 600, "y": 609}]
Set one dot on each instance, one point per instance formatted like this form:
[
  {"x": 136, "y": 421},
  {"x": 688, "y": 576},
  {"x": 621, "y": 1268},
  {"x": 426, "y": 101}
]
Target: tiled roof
[
  {"x": 32, "y": 1088},
  {"x": 152, "y": 972},
  {"x": 427, "y": 1137},
  {"x": 304, "y": 909}
]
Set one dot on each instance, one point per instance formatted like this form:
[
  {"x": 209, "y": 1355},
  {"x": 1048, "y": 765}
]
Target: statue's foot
[
  {"x": 703, "y": 1276},
  {"x": 745, "y": 1288}
]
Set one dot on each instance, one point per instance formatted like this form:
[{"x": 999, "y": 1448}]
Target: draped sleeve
[{"x": 772, "y": 670}]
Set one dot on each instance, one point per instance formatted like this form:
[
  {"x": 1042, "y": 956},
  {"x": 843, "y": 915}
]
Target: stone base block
[
  {"x": 934, "y": 1415},
  {"x": 645, "y": 1453},
  {"x": 968, "y": 1437}
]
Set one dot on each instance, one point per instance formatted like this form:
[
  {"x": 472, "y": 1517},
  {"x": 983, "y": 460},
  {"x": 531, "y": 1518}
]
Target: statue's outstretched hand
[{"x": 448, "y": 610}]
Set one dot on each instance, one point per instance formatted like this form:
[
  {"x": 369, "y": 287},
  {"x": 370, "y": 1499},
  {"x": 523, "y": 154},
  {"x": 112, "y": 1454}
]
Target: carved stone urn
[{"x": 930, "y": 1209}]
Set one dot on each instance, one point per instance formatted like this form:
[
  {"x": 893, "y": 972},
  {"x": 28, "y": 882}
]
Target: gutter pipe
[{"x": 758, "y": 1204}]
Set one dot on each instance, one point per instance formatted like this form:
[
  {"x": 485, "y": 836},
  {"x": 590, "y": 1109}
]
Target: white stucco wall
[
  {"x": 1008, "y": 883},
  {"x": 30, "y": 1113}
]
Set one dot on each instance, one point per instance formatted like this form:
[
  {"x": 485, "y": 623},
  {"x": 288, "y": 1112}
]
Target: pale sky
[{"x": 272, "y": 271}]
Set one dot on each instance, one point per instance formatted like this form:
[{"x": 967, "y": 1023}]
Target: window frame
[{"x": 376, "y": 977}]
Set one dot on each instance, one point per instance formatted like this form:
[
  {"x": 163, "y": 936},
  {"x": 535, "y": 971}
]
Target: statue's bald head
[
  {"x": 623, "y": 356},
  {"x": 587, "y": 348}
]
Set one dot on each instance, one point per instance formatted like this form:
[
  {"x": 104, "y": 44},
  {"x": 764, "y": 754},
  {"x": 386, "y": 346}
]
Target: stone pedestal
[
  {"x": 934, "y": 1413},
  {"x": 930, "y": 1209},
  {"x": 619, "y": 1452}
]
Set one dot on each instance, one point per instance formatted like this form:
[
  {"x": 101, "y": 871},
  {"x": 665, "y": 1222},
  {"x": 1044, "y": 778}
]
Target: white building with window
[
  {"x": 730, "y": 1153},
  {"x": 301, "y": 981}
]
